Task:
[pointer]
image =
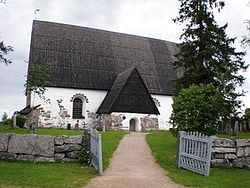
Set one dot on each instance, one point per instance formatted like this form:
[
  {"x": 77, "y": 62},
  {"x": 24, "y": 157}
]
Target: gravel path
[{"x": 133, "y": 166}]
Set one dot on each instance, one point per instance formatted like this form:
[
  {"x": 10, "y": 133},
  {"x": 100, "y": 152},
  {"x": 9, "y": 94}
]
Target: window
[{"x": 78, "y": 108}]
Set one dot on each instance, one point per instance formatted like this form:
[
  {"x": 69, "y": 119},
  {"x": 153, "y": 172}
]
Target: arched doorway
[{"x": 132, "y": 125}]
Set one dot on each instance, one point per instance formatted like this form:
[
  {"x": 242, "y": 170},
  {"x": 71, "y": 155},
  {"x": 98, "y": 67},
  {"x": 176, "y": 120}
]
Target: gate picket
[{"x": 195, "y": 152}]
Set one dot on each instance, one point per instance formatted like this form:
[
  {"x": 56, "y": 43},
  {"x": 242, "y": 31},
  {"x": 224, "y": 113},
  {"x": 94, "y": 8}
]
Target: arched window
[{"x": 78, "y": 109}]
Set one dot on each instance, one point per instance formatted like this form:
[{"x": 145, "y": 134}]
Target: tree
[
  {"x": 196, "y": 109},
  {"x": 4, "y": 50},
  {"x": 246, "y": 38},
  {"x": 247, "y": 114},
  {"x": 206, "y": 53},
  {"x": 38, "y": 78},
  {"x": 4, "y": 117}
]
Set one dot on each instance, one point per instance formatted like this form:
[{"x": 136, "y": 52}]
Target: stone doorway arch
[{"x": 134, "y": 124}]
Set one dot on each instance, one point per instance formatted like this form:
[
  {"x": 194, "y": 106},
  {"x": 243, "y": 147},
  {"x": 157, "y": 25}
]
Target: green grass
[
  {"x": 24, "y": 174},
  {"x": 240, "y": 135},
  {"x": 20, "y": 174},
  {"x": 163, "y": 146},
  {"x": 110, "y": 141},
  {"x": 41, "y": 131}
]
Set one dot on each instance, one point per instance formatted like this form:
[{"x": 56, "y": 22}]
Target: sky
[{"x": 150, "y": 18}]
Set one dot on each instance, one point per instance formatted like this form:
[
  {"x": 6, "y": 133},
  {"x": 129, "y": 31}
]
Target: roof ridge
[{"x": 102, "y": 30}]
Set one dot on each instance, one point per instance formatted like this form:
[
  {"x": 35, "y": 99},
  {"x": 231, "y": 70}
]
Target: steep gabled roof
[
  {"x": 87, "y": 58},
  {"x": 128, "y": 94}
]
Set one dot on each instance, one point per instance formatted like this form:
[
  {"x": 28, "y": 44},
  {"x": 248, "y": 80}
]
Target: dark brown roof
[
  {"x": 128, "y": 94},
  {"x": 91, "y": 58},
  {"x": 28, "y": 109}
]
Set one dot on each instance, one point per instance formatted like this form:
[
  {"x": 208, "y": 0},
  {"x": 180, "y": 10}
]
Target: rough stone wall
[
  {"x": 111, "y": 122},
  {"x": 149, "y": 123},
  {"x": 33, "y": 117},
  {"x": 39, "y": 148},
  {"x": 231, "y": 152}
]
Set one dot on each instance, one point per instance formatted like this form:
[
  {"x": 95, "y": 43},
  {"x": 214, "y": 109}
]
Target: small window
[{"x": 77, "y": 109}]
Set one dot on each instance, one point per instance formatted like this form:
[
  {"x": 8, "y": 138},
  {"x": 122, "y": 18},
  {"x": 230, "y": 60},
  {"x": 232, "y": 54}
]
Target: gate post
[
  {"x": 100, "y": 154},
  {"x": 179, "y": 149}
]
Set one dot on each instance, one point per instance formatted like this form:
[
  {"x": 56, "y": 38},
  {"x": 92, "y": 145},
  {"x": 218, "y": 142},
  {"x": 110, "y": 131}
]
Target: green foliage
[
  {"x": 247, "y": 114},
  {"x": 206, "y": 53},
  {"x": 4, "y": 50},
  {"x": 7, "y": 121},
  {"x": 163, "y": 146},
  {"x": 4, "y": 117},
  {"x": 84, "y": 153},
  {"x": 197, "y": 108},
  {"x": 20, "y": 120},
  {"x": 246, "y": 38},
  {"x": 38, "y": 79}
]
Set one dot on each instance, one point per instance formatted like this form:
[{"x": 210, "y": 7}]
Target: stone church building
[{"x": 102, "y": 78}]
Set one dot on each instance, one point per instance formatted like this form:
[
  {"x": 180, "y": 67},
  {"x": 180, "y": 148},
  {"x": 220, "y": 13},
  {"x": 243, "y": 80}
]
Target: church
[{"x": 100, "y": 78}]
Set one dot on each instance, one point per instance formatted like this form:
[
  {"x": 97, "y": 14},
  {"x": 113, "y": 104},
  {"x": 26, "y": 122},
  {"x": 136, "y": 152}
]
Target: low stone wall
[
  {"x": 39, "y": 148},
  {"x": 231, "y": 152}
]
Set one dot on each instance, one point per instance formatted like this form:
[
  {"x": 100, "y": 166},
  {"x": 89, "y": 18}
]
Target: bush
[
  {"x": 7, "y": 122},
  {"x": 197, "y": 108},
  {"x": 84, "y": 152},
  {"x": 20, "y": 120},
  {"x": 247, "y": 114}
]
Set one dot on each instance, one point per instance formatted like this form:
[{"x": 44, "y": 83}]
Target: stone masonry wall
[
  {"x": 231, "y": 152},
  {"x": 39, "y": 148}
]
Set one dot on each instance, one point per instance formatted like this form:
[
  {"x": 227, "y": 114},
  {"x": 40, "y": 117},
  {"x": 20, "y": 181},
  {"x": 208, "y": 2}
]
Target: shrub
[
  {"x": 7, "y": 122},
  {"x": 247, "y": 114},
  {"x": 4, "y": 117},
  {"x": 20, "y": 120},
  {"x": 197, "y": 108},
  {"x": 84, "y": 152}
]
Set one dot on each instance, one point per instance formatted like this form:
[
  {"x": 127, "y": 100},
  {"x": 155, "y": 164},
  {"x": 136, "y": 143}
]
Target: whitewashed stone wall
[
  {"x": 231, "y": 152},
  {"x": 58, "y": 113},
  {"x": 39, "y": 148}
]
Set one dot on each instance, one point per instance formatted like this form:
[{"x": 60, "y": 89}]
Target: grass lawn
[
  {"x": 110, "y": 141},
  {"x": 163, "y": 146},
  {"x": 240, "y": 135},
  {"x": 46, "y": 131},
  {"x": 25, "y": 174}
]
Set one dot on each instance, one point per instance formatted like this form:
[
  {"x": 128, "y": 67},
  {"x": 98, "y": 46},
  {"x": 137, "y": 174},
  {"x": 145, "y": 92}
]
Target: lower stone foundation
[{"x": 39, "y": 148}]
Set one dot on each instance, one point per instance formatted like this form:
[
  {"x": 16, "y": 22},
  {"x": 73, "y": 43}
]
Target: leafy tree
[
  {"x": 247, "y": 114},
  {"x": 38, "y": 78},
  {"x": 4, "y": 117},
  {"x": 4, "y": 50},
  {"x": 246, "y": 38},
  {"x": 197, "y": 109},
  {"x": 206, "y": 53}
]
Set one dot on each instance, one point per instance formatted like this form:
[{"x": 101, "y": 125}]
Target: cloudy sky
[{"x": 151, "y": 18}]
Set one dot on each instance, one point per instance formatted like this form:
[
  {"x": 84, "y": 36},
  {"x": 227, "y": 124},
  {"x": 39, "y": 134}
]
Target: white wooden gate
[
  {"x": 96, "y": 150},
  {"x": 195, "y": 152}
]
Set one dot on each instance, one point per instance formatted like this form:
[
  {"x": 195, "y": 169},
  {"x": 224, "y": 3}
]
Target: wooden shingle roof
[
  {"x": 89, "y": 58},
  {"x": 128, "y": 94}
]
